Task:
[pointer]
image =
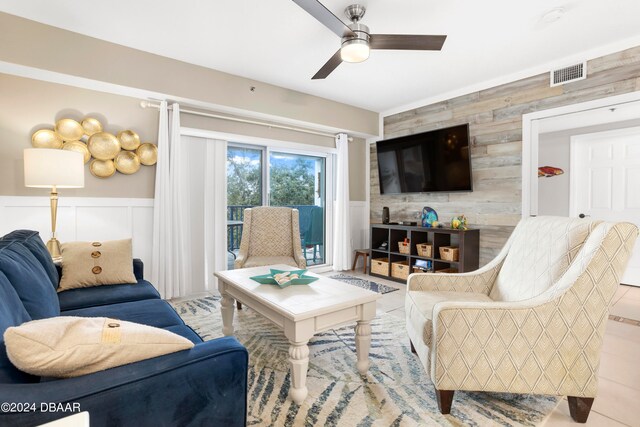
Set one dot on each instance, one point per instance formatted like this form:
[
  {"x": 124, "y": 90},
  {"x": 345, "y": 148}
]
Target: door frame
[{"x": 530, "y": 142}]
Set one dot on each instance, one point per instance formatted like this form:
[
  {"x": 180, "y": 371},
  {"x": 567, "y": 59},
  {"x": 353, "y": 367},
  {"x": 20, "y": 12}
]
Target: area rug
[
  {"x": 364, "y": 283},
  {"x": 395, "y": 391}
]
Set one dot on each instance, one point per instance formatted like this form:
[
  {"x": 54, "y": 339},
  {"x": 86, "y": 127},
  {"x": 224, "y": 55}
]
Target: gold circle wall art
[
  {"x": 105, "y": 152},
  {"x": 127, "y": 162},
  {"x": 46, "y": 138},
  {"x": 148, "y": 154},
  {"x": 102, "y": 168},
  {"x": 91, "y": 126},
  {"x": 129, "y": 140},
  {"x": 80, "y": 147},
  {"x": 103, "y": 146},
  {"x": 69, "y": 129}
]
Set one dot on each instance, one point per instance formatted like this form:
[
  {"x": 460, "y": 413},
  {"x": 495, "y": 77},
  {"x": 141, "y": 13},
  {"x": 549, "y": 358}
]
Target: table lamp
[{"x": 51, "y": 168}]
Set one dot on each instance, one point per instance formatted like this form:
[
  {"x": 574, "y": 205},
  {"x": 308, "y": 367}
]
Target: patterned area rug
[
  {"x": 395, "y": 392},
  {"x": 364, "y": 283}
]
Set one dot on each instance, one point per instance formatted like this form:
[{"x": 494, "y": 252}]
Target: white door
[{"x": 605, "y": 182}]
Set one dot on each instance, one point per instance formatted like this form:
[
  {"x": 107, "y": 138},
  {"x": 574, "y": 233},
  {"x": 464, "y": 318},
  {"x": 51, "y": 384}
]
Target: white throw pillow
[{"x": 73, "y": 346}]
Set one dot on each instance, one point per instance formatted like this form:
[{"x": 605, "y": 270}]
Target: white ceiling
[
  {"x": 277, "y": 42},
  {"x": 612, "y": 114}
]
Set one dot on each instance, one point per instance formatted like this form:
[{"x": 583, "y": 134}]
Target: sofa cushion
[
  {"x": 71, "y": 346},
  {"x": 152, "y": 312},
  {"x": 106, "y": 294},
  {"x": 12, "y": 313},
  {"x": 86, "y": 264},
  {"x": 185, "y": 331},
  {"x": 541, "y": 251},
  {"x": 29, "y": 279},
  {"x": 32, "y": 241},
  {"x": 419, "y": 309}
]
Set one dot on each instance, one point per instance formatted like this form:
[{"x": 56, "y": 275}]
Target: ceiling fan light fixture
[{"x": 354, "y": 50}]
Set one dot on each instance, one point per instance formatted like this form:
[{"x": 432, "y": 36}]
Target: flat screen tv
[{"x": 427, "y": 162}]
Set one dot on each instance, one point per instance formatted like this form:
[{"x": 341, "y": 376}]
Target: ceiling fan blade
[
  {"x": 328, "y": 68},
  {"x": 324, "y": 15},
  {"x": 406, "y": 42}
]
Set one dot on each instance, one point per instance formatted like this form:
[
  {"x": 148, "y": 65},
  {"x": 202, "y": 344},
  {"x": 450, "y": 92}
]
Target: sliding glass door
[
  {"x": 259, "y": 176},
  {"x": 298, "y": 181}
]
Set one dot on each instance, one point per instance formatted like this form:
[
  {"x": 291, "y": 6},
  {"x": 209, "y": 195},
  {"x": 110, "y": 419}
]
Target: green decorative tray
[{"x": 268, "y": 279}]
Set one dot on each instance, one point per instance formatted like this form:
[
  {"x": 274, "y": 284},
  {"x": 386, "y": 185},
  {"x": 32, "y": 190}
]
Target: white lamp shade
[{"x": 46, "y": 168}]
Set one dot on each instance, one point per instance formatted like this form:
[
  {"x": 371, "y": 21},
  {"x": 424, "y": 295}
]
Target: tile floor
[{"x": 618, "y": 401}]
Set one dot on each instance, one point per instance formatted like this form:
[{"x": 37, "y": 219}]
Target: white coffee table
[{"x": 302, "y": 311}]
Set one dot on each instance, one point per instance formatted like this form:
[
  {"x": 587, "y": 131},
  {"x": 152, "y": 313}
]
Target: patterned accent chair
[
  {"x": 531, "y": 321},
  {"x": 270, "y": 235}
]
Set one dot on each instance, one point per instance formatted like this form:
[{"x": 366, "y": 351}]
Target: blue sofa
[{"x": 204, "y": 386}]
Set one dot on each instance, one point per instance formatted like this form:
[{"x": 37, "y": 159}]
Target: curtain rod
[{"x": 148, "y": 104}]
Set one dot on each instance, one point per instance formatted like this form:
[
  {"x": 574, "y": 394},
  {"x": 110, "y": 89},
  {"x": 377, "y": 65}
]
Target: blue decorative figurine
[{"x": 429, "y": 216}]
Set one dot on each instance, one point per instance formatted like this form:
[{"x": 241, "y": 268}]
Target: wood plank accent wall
[{"x": 495, "y": 118}]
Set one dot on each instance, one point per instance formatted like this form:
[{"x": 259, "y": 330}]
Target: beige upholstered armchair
[
  {"x": 530, "y": 321},
  {"x": 270, "y": 235}
]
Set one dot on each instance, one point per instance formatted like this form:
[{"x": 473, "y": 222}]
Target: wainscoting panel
[{"x": 84, "y": 219}]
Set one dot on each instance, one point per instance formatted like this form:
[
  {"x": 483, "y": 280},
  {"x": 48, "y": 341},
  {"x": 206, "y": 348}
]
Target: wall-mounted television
[{"x": 433, "y": 161}]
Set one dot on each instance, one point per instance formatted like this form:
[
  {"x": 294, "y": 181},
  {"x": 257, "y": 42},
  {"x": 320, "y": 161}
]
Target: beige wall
[
  {"x": 41, "y": 46},
  {"x": 27, "y": 105},
  {"x": 495, "y": 118}
]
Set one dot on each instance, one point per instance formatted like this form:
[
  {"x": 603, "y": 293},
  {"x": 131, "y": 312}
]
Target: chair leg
[
  {"x": 445, "y": 398},
  {"x": 364, "y": 269},
  {"x": 238, "y": 305},
  {"x": 355, "y": 261},
  {"x": 413, "y": 349},
  {"x": 579, "y": 408}
]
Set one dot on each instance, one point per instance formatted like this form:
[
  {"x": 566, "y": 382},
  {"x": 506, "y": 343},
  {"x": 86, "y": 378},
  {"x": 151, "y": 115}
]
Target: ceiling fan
[{"x": 356, "y": 38}]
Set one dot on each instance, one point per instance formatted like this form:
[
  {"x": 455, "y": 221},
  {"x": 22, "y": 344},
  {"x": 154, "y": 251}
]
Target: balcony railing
[{"x": 311, "y": 228}]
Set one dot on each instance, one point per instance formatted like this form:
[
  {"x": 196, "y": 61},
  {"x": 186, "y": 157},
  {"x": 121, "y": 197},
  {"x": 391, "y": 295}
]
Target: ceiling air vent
[{"x": 569, "y": 74}]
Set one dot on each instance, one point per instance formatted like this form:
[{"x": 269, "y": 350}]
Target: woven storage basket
[
  {"x": 404, "y": 248},
  {"x": 400, "y": 270},
  {"x": 449, "y": 253},
  {"x": 380, "y": 266},
  {"x": 425, "y": 250}
]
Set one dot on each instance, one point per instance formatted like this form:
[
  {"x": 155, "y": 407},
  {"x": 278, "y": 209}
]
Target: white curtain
[
  {"x": 342, "y": 251},
  {"x": 170, "y": 269},
  {"x": 215, "y": 210}
]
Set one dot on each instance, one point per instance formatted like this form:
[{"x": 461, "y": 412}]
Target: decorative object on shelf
[
  {"x": 102, "y": 168},
  {"x": 459, "y": 222},
  {"x": 429, "y": 216},
  {"x": 51, "y": 168},
  {"x": 69, "y": 129},
  {"x": 79, "y": 147},
  {"x": 385, "y": 215},
  {"x": 123, "y": 153},
  {"x": 127, "y": 162},
  {"x": 129, "y": 140},
  {"x": 148, "y": 154},
  {"x": 91, "y": 126},
  {"x": 46, "y": 138},
  {"x": 549, "y": 171}
]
